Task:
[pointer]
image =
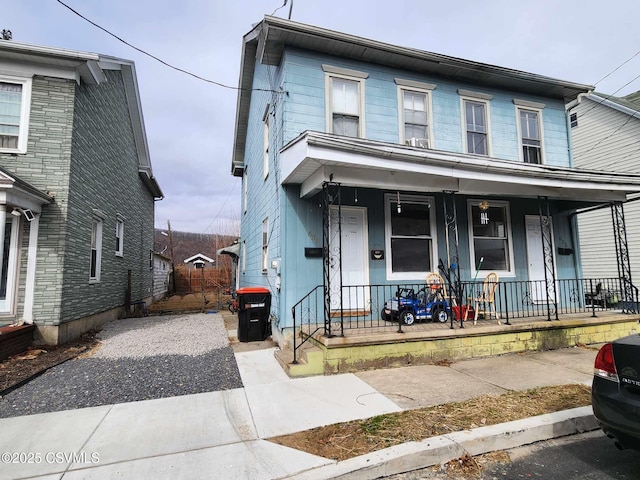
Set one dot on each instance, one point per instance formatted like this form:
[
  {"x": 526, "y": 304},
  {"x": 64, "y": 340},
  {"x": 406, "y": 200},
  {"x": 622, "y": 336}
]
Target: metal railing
[{"x": 362, "y": 305}]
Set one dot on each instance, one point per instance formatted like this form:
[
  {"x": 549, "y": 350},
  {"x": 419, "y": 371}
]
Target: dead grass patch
[{"x": 350, "y": 439}]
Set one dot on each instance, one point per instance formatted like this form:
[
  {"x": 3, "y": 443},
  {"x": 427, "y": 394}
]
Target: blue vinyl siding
[{"x": 296, "y": 223}]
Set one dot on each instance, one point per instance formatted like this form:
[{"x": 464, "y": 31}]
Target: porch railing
[{"x": 362, "y": 305}]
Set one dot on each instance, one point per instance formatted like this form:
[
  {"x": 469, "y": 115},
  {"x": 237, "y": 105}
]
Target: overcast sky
[{"x": 190, "y": 122}]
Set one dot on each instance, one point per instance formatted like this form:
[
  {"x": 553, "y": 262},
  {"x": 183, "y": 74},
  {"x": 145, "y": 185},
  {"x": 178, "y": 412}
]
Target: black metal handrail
[{"x": 362, "y": 305}]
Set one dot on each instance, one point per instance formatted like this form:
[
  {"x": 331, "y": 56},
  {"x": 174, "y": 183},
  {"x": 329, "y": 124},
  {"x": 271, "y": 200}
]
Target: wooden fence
[{"x": 189, "y": 280}]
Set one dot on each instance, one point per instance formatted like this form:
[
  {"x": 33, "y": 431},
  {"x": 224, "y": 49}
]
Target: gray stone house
[{"x": 77, "y": 190}]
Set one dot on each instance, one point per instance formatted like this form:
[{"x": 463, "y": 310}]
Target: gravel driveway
[{"x": 140, "y": 359}]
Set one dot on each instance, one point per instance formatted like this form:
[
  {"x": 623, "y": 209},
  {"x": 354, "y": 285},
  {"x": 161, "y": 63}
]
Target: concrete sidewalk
[{"x": 223, "y": 434}]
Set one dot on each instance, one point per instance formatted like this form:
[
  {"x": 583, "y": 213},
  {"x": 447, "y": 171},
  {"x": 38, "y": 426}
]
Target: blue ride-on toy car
[{"x": 408, "y": 307}]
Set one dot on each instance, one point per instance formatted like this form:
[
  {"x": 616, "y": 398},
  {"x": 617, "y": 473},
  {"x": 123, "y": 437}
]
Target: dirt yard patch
[
  {"x": 350, "y": 439},
  {"x": 18, "y": 369}
]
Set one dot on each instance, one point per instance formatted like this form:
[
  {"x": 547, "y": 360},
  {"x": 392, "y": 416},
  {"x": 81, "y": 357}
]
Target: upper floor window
[
  {"x": 475, "y": 121},
  {"x": 245, "y": 190},
  {"x": 414, "y": 100},
  {"x": 15, "y": 99},
  {"x": 345, "y": 101},
  {"x": 265, "y": 119},
  {"x": 410, "y": 236},
  {"x": 491, "y": 245},
  {"x": 530, "y": 130}
]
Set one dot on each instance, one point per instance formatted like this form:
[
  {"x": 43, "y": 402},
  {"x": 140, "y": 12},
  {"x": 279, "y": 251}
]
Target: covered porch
[{"x": 484, "y": 215}]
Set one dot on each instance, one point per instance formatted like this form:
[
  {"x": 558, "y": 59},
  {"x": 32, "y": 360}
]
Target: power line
[
  {"x": 617, "y": 68},
  {"x": 159, "y": 59}
]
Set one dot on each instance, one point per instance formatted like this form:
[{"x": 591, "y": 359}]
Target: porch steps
[{"x": 310, "y": 361}]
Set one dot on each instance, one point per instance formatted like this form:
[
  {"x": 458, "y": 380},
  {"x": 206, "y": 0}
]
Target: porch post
[
  {"x": 332, "y": 254},
  {"x": 629, "y": 300},
  {"x": 453, "y": 257},
  {"x": 547, "y": 253},
  {"x": 29, "y": 290}
]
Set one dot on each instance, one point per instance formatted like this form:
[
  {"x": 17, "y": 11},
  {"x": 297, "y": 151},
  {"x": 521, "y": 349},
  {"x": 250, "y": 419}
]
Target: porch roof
[
  {"x": 18, "y": 193},
  {"x": 314, "y": 158}
]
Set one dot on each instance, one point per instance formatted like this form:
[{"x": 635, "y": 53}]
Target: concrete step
[{"x": 310, "y": 361}]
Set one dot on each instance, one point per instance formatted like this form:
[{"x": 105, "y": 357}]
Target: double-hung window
[
  {"x": 265, "y": 154},
  {"x": 96, "y": 249},
  {"x": 530, "y": 130},
  {"x": 265, "y": 244},
  {"x": 15, "y": 100},
  {"x": 489, "y": 224},
  {"x": 414, "y": 99},
  {"x": 345, "y": 101},
  {"x": 410, "y": 236},
  {"x": 119, "y": 236},
  {"x": 476, "y": 123}
]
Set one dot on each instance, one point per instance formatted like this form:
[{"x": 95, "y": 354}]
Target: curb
[{"x": 438, "y": 450}]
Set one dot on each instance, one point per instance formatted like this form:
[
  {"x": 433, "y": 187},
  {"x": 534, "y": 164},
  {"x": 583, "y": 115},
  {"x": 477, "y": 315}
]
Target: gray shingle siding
[
  {"x": 46, "y": 166},
  {"x": 104, "y": 176}
]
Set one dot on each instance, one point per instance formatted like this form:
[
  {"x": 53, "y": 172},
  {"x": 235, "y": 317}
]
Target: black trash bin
[{"x": 254, "y": 308}]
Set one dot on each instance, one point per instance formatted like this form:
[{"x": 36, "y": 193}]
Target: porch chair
[
  {"x": 486, "y": 298},
  {"x": 436, "y": 287}
]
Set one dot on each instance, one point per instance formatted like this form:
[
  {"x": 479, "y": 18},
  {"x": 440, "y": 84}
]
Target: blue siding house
[{"x": 367, "y": 165}]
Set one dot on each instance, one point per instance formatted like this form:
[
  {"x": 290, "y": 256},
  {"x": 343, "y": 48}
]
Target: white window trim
[
  {"x": 472, "y": 253},
  {"x": 401, "y": 88},
  {"x": 265, "y": 120},
  {"x": 463, "y": 118},
  {"x": 264, "y": 250},
  {"x": 352, "y": 75},
  {"x": 418, "y": 276},
  {"x": 99, "y": 229},
  {"x": 25, "y": 109},
  {"x": 120, "y": 231},
  {"x": 519, "y": 108},
  {"x": 245, "y": 189},
  {"x": 244, "y": 256}
]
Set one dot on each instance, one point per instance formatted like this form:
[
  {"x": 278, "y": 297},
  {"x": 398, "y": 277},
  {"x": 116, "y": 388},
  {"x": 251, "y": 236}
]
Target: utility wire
[{"x": 159, "y": 59}]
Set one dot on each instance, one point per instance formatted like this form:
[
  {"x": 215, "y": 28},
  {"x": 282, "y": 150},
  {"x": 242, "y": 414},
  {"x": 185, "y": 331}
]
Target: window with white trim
[
  {"x": 530, "y": 138},
  {"x": 414, "y": 112},
  {"x": 15, "y": 103},
  {"x": 409, "y": 236},
  {"x": 96, "y": 249},
  {"x": 345, "y": 101},
  {"x": 265, "y": 153},
  {"x": 490, "y": 237},
  {"x": 244, "y": 256},
  {"x": 415, "y": 115},
  {"x": 245, "y": 189},
  {"x": 265, "y": 244},
  {"x": 119, "y": 236},
  {"x": 476, "y": 126}
]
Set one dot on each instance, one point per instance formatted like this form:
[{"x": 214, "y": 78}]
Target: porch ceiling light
[
  {"x": 16, "y": 212},
  {"x": 398, "y": 202},
  {"x": 484, "y": 205}
]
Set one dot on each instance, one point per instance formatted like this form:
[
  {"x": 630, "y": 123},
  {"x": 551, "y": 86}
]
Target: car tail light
[{"x": 605, "y": 366}]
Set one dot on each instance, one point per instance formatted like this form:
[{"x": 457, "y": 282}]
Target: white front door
[
  {"x": 535, "y": 256},
  {"x": 355, "y": 263}
]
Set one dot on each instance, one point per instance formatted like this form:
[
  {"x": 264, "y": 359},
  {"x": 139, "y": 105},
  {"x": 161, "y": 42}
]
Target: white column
[{"x": 31, "y": 270}]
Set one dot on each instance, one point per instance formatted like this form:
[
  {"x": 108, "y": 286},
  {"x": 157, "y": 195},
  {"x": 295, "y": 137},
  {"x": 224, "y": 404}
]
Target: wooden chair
[{"x": 486, "y": 298}]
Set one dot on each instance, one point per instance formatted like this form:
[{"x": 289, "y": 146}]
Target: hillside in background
[{"x": 186, "y": 244}]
